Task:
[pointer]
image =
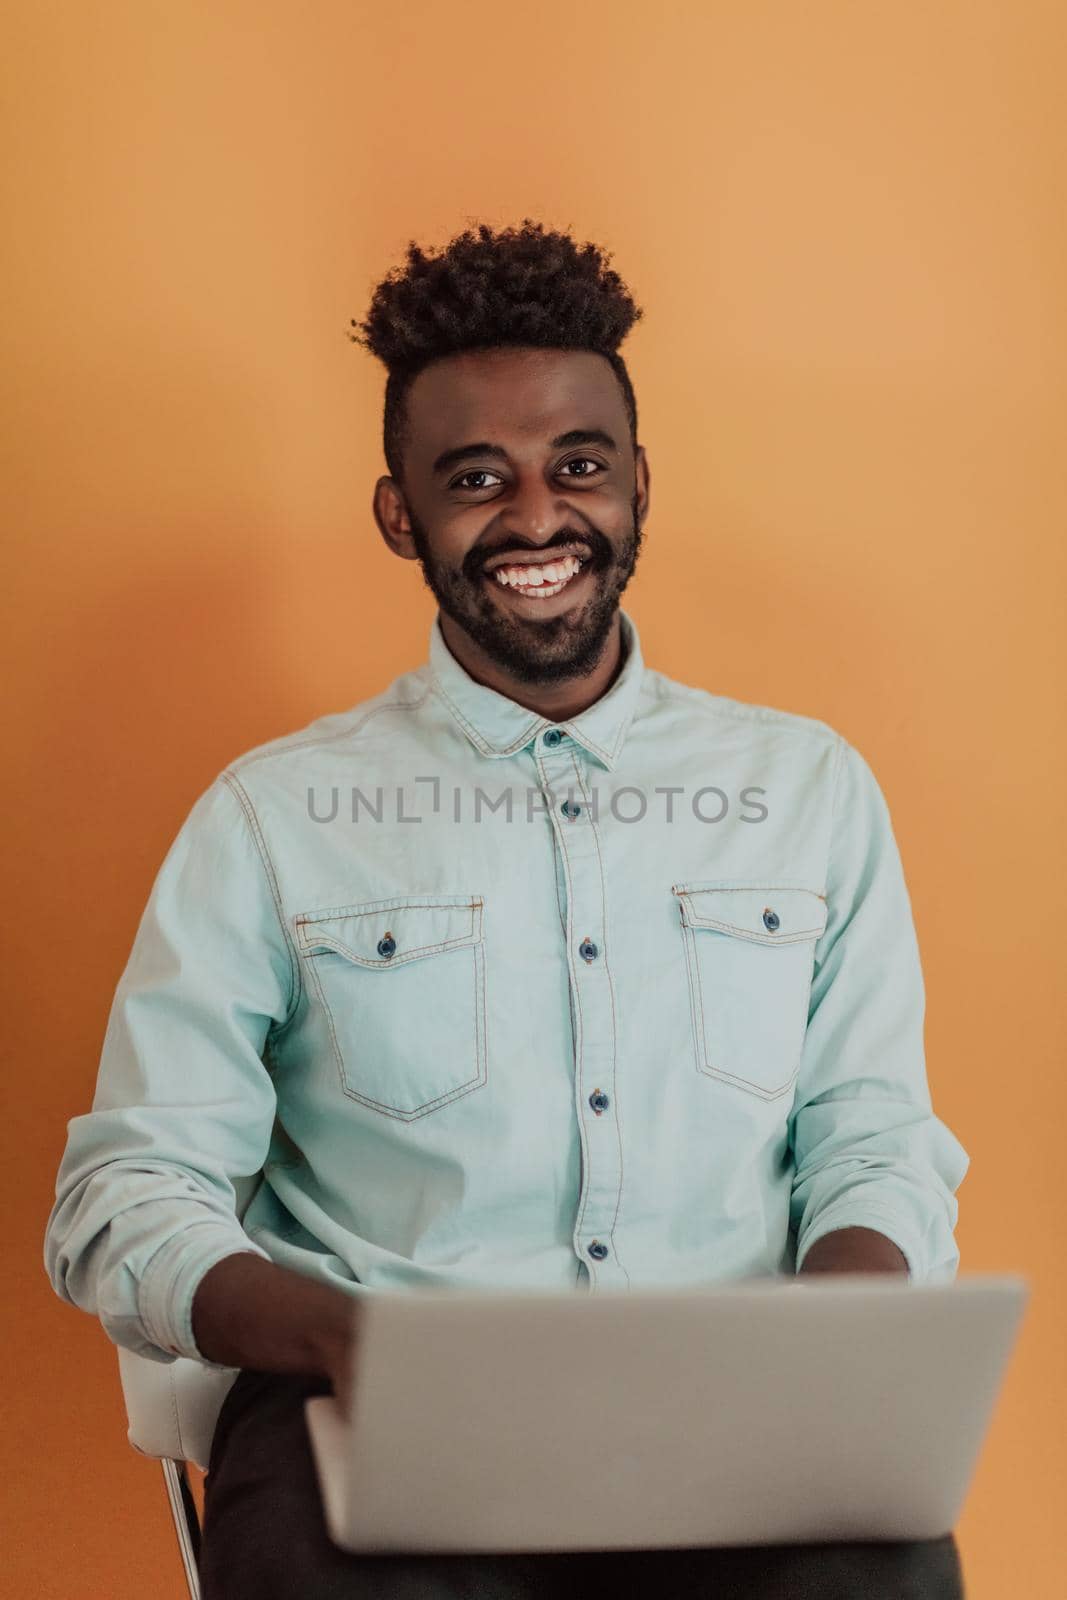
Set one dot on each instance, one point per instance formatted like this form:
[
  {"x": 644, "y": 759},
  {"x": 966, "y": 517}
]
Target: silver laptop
[{"x": 762, "y": 1411}]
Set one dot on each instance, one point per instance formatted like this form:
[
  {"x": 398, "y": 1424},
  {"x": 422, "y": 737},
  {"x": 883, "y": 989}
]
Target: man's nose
[{"x": 536, "y": 509}]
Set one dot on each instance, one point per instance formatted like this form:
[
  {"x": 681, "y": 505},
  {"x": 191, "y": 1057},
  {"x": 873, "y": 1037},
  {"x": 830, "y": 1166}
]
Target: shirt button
[
  {"x": 570, "y": 809},
  {"x": 770, "y": 919},
  {"x": 552, "y": 738},
  {"x": 597, "y": 1250},
  {"x": 588, "y": 950},
  {"x": 387, "y": 945},
  {"x": 599, "y": 1101}
]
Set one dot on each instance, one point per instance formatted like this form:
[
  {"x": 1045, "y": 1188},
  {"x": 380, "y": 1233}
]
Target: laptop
[{"x": 761, "y": 1411}]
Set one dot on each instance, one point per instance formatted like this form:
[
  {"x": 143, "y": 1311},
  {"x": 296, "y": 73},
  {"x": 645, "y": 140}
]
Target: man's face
[{"x": 463, "y": 508}]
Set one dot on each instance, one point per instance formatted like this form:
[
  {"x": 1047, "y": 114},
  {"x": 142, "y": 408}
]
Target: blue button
[
  {"x": 597, "y": 1250},
  {"x": 599, "y": 1101},
  {"x": 387, "y": 945},
  {"x": 571, "y": 809},
  {"x": 770, "y": 919},
  {"x": 588, "y": 949},
  {"x": 552, "y": 738}
]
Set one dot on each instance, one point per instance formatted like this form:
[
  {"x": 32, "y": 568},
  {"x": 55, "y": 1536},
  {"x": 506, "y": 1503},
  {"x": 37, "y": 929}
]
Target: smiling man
[
  {"x": 529, "y": 601},
  {"x": 537, "y": 969}
]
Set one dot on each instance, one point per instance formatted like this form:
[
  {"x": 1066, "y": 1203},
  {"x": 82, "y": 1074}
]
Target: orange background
[{"x": 845, "y": 224}]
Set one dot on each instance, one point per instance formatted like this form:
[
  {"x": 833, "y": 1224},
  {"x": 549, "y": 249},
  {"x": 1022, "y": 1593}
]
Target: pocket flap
[
  {"x": 388, "y": 933},
  {"x": 765, "y": 913}
]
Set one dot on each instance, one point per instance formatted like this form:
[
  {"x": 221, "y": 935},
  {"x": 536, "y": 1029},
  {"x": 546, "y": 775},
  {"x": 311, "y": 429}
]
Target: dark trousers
[{"x": 264, "y": 1537}]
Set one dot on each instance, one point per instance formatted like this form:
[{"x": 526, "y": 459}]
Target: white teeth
[{"x": 543, "y": 581}]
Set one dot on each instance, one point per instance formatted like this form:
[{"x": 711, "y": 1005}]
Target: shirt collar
[{"x": 498, "y": 726}]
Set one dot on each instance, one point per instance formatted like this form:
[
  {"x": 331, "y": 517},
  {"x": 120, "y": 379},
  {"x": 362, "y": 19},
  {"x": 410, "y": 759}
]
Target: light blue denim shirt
[{"x": 434, "y": 992}]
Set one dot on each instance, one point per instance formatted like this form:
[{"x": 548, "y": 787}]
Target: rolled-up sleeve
[
  {"x": 868, "y": 1149},
  {"x": 184, "y": 1104}
]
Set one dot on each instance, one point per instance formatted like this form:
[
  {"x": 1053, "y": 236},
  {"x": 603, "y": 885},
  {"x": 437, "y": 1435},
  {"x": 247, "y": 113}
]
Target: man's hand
[
  {"x": 854, "y": 1250},
  {"x": 248, "y": 1312}
]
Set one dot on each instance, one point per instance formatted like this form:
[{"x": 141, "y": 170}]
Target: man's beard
[{"x": 568, "y": 645}]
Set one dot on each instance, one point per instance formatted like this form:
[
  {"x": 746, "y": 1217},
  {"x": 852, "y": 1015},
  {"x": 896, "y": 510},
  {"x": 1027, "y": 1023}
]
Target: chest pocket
[
  {"x": 402, "y": 986},
  {"x": 750, "y": 953}
]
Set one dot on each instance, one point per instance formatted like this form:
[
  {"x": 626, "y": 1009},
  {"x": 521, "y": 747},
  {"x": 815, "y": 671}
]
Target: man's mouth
[{"x": 538, "y": 583}]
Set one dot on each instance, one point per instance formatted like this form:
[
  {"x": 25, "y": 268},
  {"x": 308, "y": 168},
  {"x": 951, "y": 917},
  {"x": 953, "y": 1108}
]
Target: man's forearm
[
  {"x": 248, "y": 1312},
  {"x": 854, "y": 1250}
]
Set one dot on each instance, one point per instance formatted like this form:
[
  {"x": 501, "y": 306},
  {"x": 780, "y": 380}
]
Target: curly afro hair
[{"x": 516, "y": 287}]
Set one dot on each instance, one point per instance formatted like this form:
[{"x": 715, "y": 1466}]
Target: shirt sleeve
[
  {"x": 184, "y": 1104},
  {"x": 869, "y": 1151}
]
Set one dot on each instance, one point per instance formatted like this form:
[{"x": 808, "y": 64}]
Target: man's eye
[{"x": 464, "y": 482}]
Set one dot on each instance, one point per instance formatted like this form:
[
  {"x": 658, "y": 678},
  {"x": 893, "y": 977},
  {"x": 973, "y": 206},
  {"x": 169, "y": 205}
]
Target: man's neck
[{"x": 557, "y": 701}]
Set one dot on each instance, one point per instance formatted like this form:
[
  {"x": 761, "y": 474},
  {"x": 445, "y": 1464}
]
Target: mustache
[{"x": 600, "y": 550}]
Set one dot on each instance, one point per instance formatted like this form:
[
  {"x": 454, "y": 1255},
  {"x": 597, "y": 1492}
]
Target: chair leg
[{"x": 186, "y": 1522}]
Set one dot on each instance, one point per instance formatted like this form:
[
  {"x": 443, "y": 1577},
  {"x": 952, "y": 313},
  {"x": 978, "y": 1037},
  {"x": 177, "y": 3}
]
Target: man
[{"x": 536, "y": 969}]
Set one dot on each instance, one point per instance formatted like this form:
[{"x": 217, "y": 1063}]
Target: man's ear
[
  {"x": 643, "y": 484},
  {"x": 391, "y": 514}
]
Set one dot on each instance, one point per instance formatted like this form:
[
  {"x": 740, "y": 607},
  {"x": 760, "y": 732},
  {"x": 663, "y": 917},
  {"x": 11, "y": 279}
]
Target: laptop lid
[{"x": 769, "y": 1411}]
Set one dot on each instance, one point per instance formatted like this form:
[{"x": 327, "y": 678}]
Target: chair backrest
[{"x": 172, "y": 1406}]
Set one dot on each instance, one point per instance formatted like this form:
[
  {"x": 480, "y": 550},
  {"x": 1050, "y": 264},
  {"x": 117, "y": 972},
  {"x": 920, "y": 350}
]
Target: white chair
[{"x": 171, "y": 1409}]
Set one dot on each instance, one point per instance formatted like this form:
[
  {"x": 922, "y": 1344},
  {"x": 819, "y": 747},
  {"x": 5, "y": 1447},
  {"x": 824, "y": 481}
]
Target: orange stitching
[
  {"x": 296, "y": 983},
  {"x": 683, "y": 890},
  {"x": 335, "y": 945},
  {"x": 480, "y": 1078},
  {"x": 396, "y": 903},
  {"x": 614, "y": 1026},
  {"x": 308, "y": 940},
  {"x": 703, "y": 1051},
  {"x": 280, "y": 747},
  {"x": 575, "y": 990}
]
